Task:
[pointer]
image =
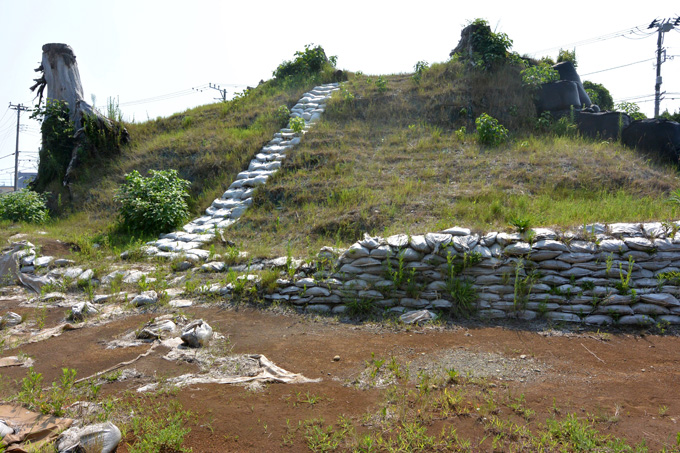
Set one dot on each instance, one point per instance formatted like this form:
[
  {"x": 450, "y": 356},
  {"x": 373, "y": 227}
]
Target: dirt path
[{"x": 628, "y": 382}]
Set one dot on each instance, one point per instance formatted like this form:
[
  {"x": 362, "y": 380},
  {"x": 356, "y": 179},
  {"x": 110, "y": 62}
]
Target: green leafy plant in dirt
[
  {"x": 283, "y": 115},
  {"x": 297, "y": 124},
  {"x": 24, "y": 206},
  {"x": 523, "y": 285},
  {"x": 154, "y": 204},
  {"x": 360, "y": 307},
  {"x": 461, "y": 290},
  {"x": 47, "y": 401},
  {"x": 157, "y": 426},
  {"x": 489, "y": 131},
  {"x": 381, "y": 84},
  {"x": 623, "y": 285},
  {"x": 419, "y": 69},
  {"x": 521, "y": 224}
]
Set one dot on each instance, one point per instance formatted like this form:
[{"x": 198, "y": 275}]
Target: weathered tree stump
[{"x": 61, "y": 77}]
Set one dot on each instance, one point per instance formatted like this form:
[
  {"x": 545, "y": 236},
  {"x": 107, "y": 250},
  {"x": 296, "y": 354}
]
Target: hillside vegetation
[{"x": 394, "y": 153}]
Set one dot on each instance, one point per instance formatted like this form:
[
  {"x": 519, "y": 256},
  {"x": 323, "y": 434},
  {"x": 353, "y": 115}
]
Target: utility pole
[
  {"x": 663, "y": 26},
  {"x": 19, "y": 108},
  {"x": 223, "y": 92}
]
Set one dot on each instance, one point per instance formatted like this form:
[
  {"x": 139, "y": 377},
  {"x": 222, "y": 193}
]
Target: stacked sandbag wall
[{"x": 623, "y": 274}]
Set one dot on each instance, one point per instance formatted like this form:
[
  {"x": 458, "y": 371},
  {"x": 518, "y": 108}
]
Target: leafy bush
[
  {"x": 599, "y": 95},
  {"x": 490, "y": 48},
  {"x": 154, "y": 204},
  {"x": 297, "y": 124},
  {"x": 489, "y": 131},
  {"x": 24, "y": 206},
  {"x": 282, "y": 115},
  {"x": 535, "y": 76},
  {"x": 567, "y": 55},
  {"x": 672, "y": 117},
  {"x": 419, "y": 69},
  {"x": 306, "y": 63},
  {"x": 632, "y": 109}
]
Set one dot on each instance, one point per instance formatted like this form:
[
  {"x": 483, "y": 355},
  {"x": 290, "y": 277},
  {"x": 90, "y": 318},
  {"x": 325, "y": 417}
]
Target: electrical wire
[
  {"x": 619, "y": 67},
  {"x": 163, "y": 97},
  {"x": 584, "y": 42}
]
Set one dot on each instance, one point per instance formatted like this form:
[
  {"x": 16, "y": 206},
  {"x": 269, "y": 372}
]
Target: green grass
[
  {"x": 388, "y": 158},
  {"x": 375, "y": 165}
]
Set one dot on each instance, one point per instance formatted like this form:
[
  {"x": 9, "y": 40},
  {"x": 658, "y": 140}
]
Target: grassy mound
[{"x": 393, "y": 154}]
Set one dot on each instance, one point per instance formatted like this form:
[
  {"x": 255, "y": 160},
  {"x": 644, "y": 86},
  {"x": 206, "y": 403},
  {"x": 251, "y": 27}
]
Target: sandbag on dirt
[
  {"x": 10, "y": 261},
  {"x": 196, "y": 334},
  {"x": 417, "y": 317},
  {"x": 14, "y": 360},
  {"x": 156, "y": 330},
  {"x": 10, "y": 319},
  {"x": 5, "y": 429},
  {"x": 261, "y": 370},
  {"x": 30, "y": 427},
  {"x": 102, "y": 437},
  {"x": 81, "y": 310}
]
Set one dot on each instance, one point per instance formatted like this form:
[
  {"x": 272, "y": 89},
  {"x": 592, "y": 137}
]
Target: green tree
[
  {"x": 567, "y": 55},
  {"x": 632, "y": 109},
  {"x": 308, "y": 62},
  {"x": 488, "y": 48},
  {"x": 673, "y": 117},
  {"x": 599, "y": 95}
]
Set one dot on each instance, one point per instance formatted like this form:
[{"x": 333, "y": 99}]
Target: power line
[
  {"x": 618, "y": 67},
  {"x": 634, "y": 30},
  {"x": 163, "y": 97}
]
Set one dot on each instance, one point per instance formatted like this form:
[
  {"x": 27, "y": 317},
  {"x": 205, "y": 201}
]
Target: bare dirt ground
[{"x": 626, "y": 382}]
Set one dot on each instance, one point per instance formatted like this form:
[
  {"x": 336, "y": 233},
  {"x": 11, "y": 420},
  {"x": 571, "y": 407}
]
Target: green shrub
[
  {"x": 282, "y": 115},
  {"x": 632, "y": 109},
  {"x": 489, "y": 131},
  {"x": 671, "y": 116},
  {"x": 24, "y": 206},
  {"x": 306, "y": 63},
  {"x": 154, "y": 204},
  {"x": 599, "y": 95},
  {"x": 567, "y": 55},
  {"x": 297, "y": 124},
  {"x": 535, "y": 76},
  {"x": 419, "y": 69},
  {"x": 489, "y": 48}
]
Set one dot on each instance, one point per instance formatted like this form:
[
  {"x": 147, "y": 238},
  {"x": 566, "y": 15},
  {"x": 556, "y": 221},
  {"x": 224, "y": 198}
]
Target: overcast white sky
[{"x": 143, "y": 49}]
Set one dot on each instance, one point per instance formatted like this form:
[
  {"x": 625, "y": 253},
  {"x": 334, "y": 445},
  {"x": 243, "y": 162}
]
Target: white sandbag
[
  {"x": 82, "y": 310},
  {"x": 10, "y": 319},
  {"x": 418, "y": 317},
  {"x": 196, "y": 334},
  {"x": 157, "y": 330},
  {"x": 99, "y": 438},
  {"x": 5, "y": 429}
]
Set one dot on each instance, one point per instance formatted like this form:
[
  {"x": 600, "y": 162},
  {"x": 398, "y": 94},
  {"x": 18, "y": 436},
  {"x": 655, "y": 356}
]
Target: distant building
[{"x": 25, "y": 178}]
